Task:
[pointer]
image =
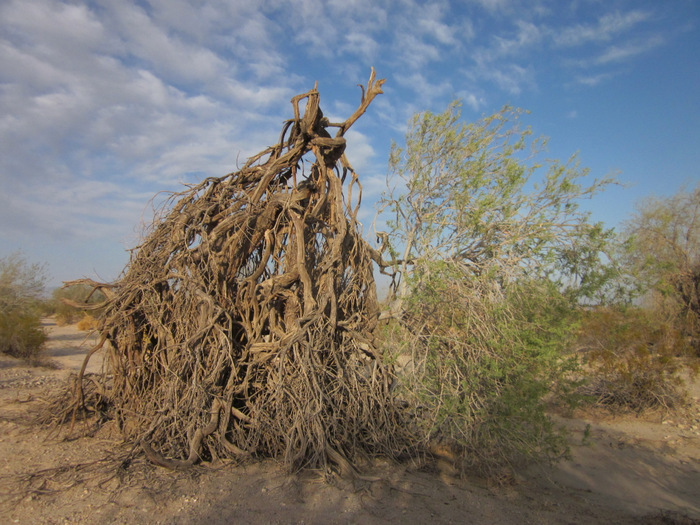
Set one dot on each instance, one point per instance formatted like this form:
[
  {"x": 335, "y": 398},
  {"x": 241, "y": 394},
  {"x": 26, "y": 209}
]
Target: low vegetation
[
  {"x": 633, "y": 359},
  {"x": 479, "y": 365},
  {"x": 21, "y": 288},
  {"x": 87, "y": 323},
  {"x": 68, "y": 304}
]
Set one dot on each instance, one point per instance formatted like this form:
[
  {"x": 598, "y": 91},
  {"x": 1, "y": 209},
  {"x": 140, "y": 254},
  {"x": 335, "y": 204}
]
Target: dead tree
[{"x": 243, "y": 324}]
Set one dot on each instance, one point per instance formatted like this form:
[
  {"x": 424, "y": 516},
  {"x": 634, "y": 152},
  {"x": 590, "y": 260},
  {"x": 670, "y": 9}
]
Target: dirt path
[
  {"x": 67, "y": 346},
  {"x": 623, "y": 471}
]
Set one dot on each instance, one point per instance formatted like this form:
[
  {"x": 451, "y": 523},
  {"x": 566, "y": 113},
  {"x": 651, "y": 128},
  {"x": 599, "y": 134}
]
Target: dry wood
[{"x": 243, "y": 324}]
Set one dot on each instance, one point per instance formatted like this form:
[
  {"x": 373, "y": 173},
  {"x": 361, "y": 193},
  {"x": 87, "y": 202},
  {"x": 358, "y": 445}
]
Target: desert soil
[{"x": 624, "y": 470}]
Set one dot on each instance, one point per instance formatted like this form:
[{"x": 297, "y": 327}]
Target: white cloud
[
  {"x": 361, "y": 44},
  {"x": 360, "y": 152},
  {"x": 439, "y": 31},
  {"x": 494, "y": 5},
  {"x": 505, "y": 61},
  {"x": 612, "y": 56},
  {"x": 166, "y": 54},
  {"x": 321, "y": 26},
  {"x": 618, "y": 53},
  {"x": 607, "y": 43},
  {"x": 511, "y": 78},
  {"x": 414, "y": 52},
  {"x": 527, "y": 35},
  {"x": 426, "y": 32},
  {"x": 103, "y": 105},
  {"x": 61, "y": 26},
  {"x": 427, "y": 90},
  {"x": 593, "y": 80},
  {"x": 607, "y": 27},
  {"x": 471, "y": 99},
  {"x": 182, "y": 16},
  {"x": 68, "y": 208}
]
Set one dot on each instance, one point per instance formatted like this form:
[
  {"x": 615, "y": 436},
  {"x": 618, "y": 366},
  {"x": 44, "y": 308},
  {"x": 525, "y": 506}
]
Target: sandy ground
[{"x": 624, "y": 470}]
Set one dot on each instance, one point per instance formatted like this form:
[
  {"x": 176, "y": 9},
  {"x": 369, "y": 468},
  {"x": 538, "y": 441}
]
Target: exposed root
[{"x": 243, "y": 324}]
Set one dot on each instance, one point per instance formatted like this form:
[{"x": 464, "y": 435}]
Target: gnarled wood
[{"x": 243, "y": 324}]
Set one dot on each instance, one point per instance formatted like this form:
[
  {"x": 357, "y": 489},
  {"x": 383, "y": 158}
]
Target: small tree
[
  {"x": 468, "y": 195},
  {"x": 21, "y": 286},
  {"x": 663, "y": 251},
  {"x": 491, "y": 258}
]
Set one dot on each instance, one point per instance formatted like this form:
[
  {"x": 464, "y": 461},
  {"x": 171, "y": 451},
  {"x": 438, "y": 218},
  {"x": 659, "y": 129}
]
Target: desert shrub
[
  {"x": 21, "y": 285},
  {"x": 87, "y": 323},
  {"x": 47, "y": 307},
  {"x": 490, "y": 254},
  {"x": 633, "y": 359},
  {"x": 479, "y": 362},
  {"x": 78, "y": 294},
  {"x": 21, "y": 334},
  {"x": 662, "y": 252}
]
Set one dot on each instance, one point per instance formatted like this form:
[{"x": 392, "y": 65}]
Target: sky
[{"x": 106, "y": 104}]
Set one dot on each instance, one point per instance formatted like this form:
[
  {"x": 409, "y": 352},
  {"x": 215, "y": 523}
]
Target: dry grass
[{"x": 87, "y": 323}]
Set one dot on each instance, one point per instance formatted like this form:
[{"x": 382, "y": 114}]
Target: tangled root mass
[{"x": 243, "y": 324}]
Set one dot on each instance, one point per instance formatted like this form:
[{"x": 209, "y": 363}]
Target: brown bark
[{"x": 243, "y": 324}]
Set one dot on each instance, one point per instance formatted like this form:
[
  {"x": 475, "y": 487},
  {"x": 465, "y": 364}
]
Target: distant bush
[
  {"x": 633, "y": 357},
  {"x": 80, "y": 294},
  {"x": 87, "y": 323},
  {"x": 21, "y": 286},
  {"x": 662, "y": 252}
]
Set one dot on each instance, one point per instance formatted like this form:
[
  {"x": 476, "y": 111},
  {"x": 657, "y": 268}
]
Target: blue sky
[{"x": 103, "y": 104}]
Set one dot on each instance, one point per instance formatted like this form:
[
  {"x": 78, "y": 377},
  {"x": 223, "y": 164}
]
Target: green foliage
[
  {"x": 21, "y": 285},
  {"x": 662, "y": 251},
  {"x": 632, "y": 360},
  {"x": 477, "y": 196},
  {"x": 482, "y": 360},
  {"x": 493, "y": 254},
  {"x": 79, "y": 294}
]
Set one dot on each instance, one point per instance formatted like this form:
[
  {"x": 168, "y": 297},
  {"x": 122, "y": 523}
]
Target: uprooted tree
[{"x": 243, "y": 323}]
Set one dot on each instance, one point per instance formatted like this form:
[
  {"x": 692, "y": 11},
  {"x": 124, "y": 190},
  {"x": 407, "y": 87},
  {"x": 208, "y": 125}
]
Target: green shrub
[
  {"x": 21, "y": 285},
  {"x": 478, "y": 363},
  {"x": 661, "y": 250},
  {"x": 633, "y": 358},
  {"x": 21, "y": 334}
]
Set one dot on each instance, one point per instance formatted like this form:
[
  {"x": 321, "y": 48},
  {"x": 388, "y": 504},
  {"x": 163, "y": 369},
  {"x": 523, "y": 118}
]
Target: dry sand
[{"x": 624, "y": 470}]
